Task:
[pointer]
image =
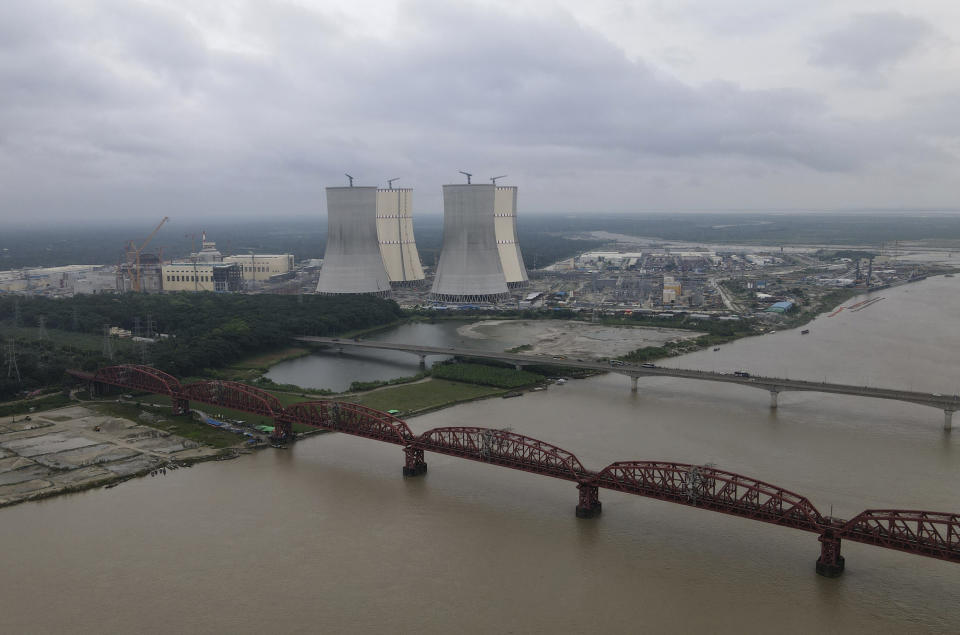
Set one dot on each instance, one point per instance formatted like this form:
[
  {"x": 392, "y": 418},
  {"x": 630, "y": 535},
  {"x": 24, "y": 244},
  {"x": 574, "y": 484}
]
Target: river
[{"x": 327, "y": 537}]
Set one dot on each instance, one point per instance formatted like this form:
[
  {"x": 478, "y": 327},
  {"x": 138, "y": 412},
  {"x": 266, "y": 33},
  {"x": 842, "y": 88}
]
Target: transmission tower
[
  {"x": 11, "y": 355},
  {"x": 16, "y": 312},
  {"x": 107, "y": 343}
]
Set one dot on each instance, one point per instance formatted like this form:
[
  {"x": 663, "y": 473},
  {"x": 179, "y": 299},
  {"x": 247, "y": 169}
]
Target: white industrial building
[
  {"x": 470, "y": 267},
  {"x": 202, "y": 276},
  {"x": 352, "y": 262},
  {"x": 398, "y": 249},
  {"x": 260, "y": 267}
]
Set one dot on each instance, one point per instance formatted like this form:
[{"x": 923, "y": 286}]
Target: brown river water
[{"x": 327, "y": 537}]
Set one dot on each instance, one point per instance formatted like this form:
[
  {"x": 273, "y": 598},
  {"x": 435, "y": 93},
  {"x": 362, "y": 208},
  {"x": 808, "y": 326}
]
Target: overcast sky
[{"x": 134, "y": 109}]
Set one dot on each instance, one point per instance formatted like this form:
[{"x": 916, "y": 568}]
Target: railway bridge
[
  {"x": 926, "y": 533},
  {"x": 774, "y": 385}
]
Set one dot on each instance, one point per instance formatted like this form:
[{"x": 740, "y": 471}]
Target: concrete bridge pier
[
  {"x": 423, "y": 361},
  {"x": 589, "y": 505},
  {"x": 518, "y": 366},
  {"x": 948, "y": 420},
  {"x": 633, "y": 383},
  {"x": 774, "y": 394}
]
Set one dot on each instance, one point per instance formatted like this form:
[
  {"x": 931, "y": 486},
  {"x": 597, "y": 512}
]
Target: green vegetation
[
  {"x": 361, "y": 386},
  {"x": 185, "y": 427},
  {"x": 429, "y": 395},
  {"x": 206, "y": 330},
  {"x": 519, "y": 349},
  {"x": 486, "y": 375},
  {"x": 24, "y": 406}
]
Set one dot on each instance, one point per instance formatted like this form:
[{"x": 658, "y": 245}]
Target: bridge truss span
[
  {"x": 140, "y": 378},
  {"x": 505, "y": 448},
  {"x": 709, "y": 488},
  {"x": 233, "y": 395},
  {"x": 934, "y": 534},
  {"x": 350, "y": 418}
]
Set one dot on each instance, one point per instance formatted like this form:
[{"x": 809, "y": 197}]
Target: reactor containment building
[{"x": 476, "y": 261}]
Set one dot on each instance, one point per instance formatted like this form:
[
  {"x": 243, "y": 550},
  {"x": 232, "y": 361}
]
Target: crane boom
[{"x": 136, "y": 279}]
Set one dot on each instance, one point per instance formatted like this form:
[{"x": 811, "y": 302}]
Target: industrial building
[
  {"x": 505, "y": 225},
  {"x": 352, "y": 262},
  {"x": 202, "y": 276},
  {"x": 469, "y": 269},
  {"x": 398, "y": 249},
  {"x": 260, "y": 267}
]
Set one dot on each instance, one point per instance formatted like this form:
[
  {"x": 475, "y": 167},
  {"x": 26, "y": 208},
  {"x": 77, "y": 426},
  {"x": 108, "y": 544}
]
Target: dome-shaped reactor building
[
  {"x": 352, "y": 262},
  {"x": 469, "y": 269},
  {"x": 395, "y": 234},
  {"x": 505, "y": 223}
]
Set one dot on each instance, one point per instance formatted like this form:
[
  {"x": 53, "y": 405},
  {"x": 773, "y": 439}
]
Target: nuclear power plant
[
  {"x": 470, "y": 267},
  {"x": 505, "y": 223},
  {"x": 398, "y": 249},
  {"x": 352, "y": 262}
]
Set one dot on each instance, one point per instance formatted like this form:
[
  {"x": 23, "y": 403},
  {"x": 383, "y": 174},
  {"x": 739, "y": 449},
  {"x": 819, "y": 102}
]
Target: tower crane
[{"x": 139, "y": 250}]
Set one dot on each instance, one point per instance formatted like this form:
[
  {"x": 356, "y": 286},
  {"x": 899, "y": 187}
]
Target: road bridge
[
  {"x": 774, "y": 385},
  {"x": 926, "y": 533}
]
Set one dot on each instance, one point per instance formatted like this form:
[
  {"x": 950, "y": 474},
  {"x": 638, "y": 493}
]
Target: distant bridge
[
  {"x": 774, "y": 385},
  {"x": 925, "y": 533}
]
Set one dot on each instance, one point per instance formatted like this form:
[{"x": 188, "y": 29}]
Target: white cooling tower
[
  {"x": 395, "y": 233},
  {"x": 469, "y": 269},
  {"x": 352, "y": 262},
  {"x": 505, "y": 223}
]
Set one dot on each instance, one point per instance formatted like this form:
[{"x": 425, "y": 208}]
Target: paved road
[{"x": 772, "y": 384}]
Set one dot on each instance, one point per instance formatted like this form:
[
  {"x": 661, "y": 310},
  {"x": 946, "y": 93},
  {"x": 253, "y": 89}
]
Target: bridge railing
[
  {"x": 505, "y": 448},
  {"x": 709, "y": 488}
]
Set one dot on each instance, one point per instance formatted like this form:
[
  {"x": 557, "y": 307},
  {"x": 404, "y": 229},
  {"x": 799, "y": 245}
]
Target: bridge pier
[
  {"x": 414, "y": 465},
  {"x": 773, "y": 398},
  {"x": 633, "y": 383},
  {"x": 589, "y": 505},
  {"x": 830, "y": 564},
  {"x": 948, "y": 420},
  {"x": 518, "y": 366},
  {"x": 282, "y": 432},
  {"x": 423, "y": 361},
  {"x": 181, "y": 406}
]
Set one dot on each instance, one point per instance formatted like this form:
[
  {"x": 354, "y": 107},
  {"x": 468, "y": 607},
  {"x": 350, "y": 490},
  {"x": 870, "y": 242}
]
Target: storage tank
[
  {"x": 505, "y": 222},
  {"x": 395, "y": 234},
  {"x": 469, "y": 268},
  {"x": 352, "y": 262}
]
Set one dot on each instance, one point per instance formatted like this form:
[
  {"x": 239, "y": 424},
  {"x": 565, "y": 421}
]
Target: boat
[
  {"x": 716, "y": 349},
  {"x": 804, "y": 331},
  {"x": 512, "y": 393}
]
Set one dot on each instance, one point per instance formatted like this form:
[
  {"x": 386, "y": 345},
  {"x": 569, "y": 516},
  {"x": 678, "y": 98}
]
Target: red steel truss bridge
[{"x": 925, "y": 533}]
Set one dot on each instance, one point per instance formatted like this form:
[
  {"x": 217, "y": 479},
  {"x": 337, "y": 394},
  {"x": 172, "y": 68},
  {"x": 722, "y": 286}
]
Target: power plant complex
[{"x": 371, "y": 247}]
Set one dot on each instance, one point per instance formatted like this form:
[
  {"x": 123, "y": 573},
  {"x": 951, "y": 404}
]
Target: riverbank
[{"x": 78, "y": 447}]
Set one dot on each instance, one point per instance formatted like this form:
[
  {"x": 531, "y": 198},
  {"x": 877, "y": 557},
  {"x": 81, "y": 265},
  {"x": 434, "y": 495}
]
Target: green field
[{"x": 427, "y": 395}]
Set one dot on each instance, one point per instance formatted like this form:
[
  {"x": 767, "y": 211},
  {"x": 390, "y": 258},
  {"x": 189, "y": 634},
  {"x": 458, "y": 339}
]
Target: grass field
[{"x": 427, "y": 395}]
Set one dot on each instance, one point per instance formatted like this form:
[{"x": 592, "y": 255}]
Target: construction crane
[{"x": 139, "y": 250}]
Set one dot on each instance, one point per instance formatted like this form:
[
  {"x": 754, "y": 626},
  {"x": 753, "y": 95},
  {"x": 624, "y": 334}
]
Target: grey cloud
[
  {"x": 124, "y": 102},
  {"x": 871, "y": 42}
]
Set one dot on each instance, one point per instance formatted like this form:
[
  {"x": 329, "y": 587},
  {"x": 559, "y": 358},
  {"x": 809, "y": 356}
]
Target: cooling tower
[
  {"x": 352, "y": 262},
  {"x": 395, "y": 233},
  {"x": 505, "y": 223},
  {"x": 469, "y": 269}
]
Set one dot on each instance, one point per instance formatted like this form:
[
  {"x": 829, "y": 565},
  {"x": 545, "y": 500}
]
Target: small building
[{"x": 780, "y": 307}]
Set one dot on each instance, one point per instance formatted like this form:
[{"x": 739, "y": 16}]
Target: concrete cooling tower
[
  {"x": 395, "y": 233},
  {"x": 505, "y": 223},
  {"x": 469, "y": 269},
  {"x": 352, "y": 262}
]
